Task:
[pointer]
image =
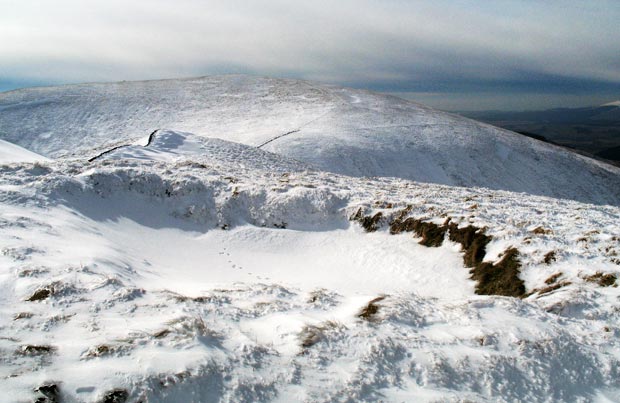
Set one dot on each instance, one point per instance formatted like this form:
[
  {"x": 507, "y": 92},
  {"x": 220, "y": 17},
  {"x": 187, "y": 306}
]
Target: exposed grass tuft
[
  {"x": 104, "y": 350},
  {"x": 33, "y": 349},
  {"x": 369, "y": 223},
  {"x": 161, "y": 333},
  {"x": 312, "y": 334},
  {"x": 501, "y": 278},
  {"x": 432, "y": 234},
  {"x": 115, "y": 396},
  {"x": 552, "y": 288},
  {"x": 553, "y": 278},
  {"x": 371, "y": 309},
  {"x": 56, "y": 288},
  {"x": 473, "y": 240},
  {"x": 602, "y": 279},
  {"x": 549, "y": 257},
  {"x": 542, "y": 231},
  {"x": 41, "y": 294},
  {"x": 23, "y": 315},
  {"x": 50, "y": 391}
]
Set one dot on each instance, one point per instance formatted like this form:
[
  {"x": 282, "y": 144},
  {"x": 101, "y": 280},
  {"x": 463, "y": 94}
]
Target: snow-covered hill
[
  {"x": 339, "y": 130},
  {"x": 165, "y": 272}
]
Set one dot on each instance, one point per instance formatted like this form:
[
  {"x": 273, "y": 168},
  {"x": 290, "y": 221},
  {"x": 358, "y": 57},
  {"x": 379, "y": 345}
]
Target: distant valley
[{"x": 593, "y": 130}]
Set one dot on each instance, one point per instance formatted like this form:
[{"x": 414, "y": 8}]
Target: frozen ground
[
  {"x": 189, "y": 269},
  {"x": 339, "y": 130}
]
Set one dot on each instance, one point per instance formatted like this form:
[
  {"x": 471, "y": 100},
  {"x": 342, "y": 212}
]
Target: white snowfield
[
  {"x": 339, "y": 130},
  {"x": 10, "y": 153},
  {"x": 187, "y": 269}
]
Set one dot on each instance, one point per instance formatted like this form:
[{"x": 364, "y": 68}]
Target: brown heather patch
[
  {"x": 432, "y": 234},
  {"x": 553, "y": 278},
  {"x": 501, "y": 278},
  {"x": 542, "y": 231},
  {"x": 371, "y": 309},
  {"x": 549, "y": 257},
  {"x": 602, "y": 279},
  {"x": 370, "y": 224}
]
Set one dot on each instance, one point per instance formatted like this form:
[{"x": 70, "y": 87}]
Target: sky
[{"x": 450, "y": 54}]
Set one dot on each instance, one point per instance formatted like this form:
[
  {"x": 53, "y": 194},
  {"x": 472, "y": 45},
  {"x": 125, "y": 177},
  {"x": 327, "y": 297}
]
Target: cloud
[{"x": 389, "y": 44}]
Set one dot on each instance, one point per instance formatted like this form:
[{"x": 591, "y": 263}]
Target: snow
[
  {"x": 168, "y": 146},
  {"x": 339, "y": 130},
  {"x": 189, "y": 312},
  {"x": 614, "y": 103},
  {"x": 186, "y": 268},
  {"x": 304, "y": 260},
  {"x": 10, "y": 153}
]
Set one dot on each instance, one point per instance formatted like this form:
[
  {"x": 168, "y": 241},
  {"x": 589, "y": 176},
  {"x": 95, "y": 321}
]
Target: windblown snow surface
[
  {"x": 187, "y": 269},
  {"x": 339, "y": 130},
  {"x": 10, "y": 152}
]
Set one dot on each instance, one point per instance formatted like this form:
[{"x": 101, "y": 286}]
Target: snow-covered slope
[
  {"x": 339, "y": 130},
  {"x": 614, "y": 103},
  {"x": 10, "y": 153},
  {"x": 159, "y": 272},
  {"x": 172, "y": 146}
]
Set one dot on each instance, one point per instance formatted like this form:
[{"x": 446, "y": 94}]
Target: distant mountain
[
  {"x": 602, "y": 113},
  {"x": 591, "y": 130},
  {"x": 340, "y": 130},
  {"x": 612, "y": 153}
]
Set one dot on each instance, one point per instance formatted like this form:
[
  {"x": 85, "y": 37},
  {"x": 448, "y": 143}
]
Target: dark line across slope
[{"x": 101, "y": 154}]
